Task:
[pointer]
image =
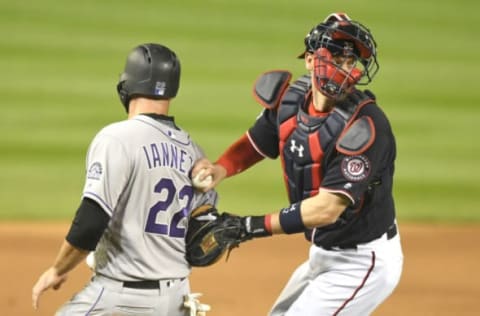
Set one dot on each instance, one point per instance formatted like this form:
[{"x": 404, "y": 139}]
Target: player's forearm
[
  {"x": 68, "y": 257},
  {"x": 320, "y": 210},
  {"x": 323, "y": 209},
  {"x": 240, "y": 156}
]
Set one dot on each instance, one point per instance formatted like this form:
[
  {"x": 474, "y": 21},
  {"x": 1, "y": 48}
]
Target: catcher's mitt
[{"x": 210, "y": 235}]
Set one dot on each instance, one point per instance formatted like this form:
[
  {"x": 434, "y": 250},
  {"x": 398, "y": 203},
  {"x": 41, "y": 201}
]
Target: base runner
[{"x": 136, "y": 201}]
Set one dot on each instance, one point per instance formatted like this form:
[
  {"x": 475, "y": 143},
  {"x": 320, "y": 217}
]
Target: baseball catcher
[
  {"x": 337, "y": 151},
  {"x": 211, "y": 235}
]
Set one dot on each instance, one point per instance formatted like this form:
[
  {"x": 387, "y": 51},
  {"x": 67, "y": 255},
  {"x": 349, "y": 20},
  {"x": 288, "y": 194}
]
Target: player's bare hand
[
  {"x": 49, "y": 279},
  {"x": 200, "y": 164},
  {"x": 204, "y": 168}
]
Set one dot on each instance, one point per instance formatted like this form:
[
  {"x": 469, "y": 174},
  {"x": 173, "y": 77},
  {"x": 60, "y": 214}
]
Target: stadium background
[{"x": 60, "y": 62}]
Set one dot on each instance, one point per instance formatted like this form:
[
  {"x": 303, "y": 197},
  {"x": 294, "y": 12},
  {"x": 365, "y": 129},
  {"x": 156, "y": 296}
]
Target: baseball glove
[{"x": 210, "y": 235}]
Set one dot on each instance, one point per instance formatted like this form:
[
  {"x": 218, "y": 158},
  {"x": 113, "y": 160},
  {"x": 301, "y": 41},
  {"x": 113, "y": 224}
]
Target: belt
[
  {"x": 145, "y": 284},
  {"x": 391, "y": 232},
  {"x": 148, "y": 284}
]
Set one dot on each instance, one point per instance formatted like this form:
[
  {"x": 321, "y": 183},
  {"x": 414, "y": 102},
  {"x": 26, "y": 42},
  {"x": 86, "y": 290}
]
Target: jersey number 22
[{"x": 173, "y": 229}]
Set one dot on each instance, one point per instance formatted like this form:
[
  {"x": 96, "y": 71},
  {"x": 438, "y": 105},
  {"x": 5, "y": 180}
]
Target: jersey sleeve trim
[
  {"x": 252, "y": 142},
  {"x": 342, "y": 192},
  {"x": 100, "y": 202}
]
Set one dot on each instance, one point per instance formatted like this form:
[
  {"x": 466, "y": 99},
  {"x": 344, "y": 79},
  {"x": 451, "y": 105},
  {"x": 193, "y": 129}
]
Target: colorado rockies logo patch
[
  {"x": 355, "y": 168},
  {"x": 95, "y": 171}
]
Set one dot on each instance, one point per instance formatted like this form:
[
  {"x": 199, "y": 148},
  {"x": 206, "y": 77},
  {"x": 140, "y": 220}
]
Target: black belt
[
  {"x": 391, "y": 232},
  {"x": 147, "y": 284}
]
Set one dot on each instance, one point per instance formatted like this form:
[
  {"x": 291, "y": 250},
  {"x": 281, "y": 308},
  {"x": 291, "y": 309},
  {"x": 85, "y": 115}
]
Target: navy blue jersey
[{"x": 312, "y": 159}]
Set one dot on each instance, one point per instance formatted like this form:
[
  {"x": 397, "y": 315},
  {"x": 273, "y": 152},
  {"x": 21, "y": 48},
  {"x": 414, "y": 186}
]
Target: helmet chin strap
[{"x": 330, "y": 79}]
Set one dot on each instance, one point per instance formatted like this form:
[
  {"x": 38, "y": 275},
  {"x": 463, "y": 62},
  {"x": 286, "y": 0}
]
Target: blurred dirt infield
[{"x": 441, "y": 272}]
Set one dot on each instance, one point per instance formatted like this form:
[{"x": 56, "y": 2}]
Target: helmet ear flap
[{"x": 123, "y": 94}]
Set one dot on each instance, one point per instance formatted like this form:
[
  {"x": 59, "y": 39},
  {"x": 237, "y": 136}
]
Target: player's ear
[{"x": 309, "y": 61}]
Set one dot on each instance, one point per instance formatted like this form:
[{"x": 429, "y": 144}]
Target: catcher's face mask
[
  {"x": 344, "y": 55},
  {"x": 335, "y": 74}
]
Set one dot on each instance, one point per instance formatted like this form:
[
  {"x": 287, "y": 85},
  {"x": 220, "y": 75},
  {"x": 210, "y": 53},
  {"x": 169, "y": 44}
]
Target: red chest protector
[
  {"x": 305, "y": 142},
  {"x": 309, "y": 144}
]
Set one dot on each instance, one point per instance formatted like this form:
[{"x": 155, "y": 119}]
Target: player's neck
[
  {"x": 321, "y": 103},
  {"x": 144, "y": 105}
]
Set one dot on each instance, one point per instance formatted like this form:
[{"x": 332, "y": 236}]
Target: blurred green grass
[{"x": 60, "y": 62}]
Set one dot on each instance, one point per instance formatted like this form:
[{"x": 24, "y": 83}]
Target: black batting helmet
[{"x": 152, "y": 71}]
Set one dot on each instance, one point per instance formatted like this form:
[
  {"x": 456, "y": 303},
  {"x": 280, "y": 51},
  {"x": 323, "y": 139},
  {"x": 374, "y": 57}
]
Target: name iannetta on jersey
[{"x": 167, "y": 155}]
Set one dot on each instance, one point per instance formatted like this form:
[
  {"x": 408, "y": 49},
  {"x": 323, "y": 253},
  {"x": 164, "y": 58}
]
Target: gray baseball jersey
[{"x": 138, "y": 171}]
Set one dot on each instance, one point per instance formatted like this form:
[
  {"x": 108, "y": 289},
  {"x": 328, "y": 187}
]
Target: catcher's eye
[{"x": 345, "y": 62}]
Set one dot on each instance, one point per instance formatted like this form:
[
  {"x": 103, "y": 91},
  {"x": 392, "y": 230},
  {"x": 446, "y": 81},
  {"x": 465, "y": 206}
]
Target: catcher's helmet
[
  {"x": 151, "y": 71},
  {"x": 338, "y": 35}
]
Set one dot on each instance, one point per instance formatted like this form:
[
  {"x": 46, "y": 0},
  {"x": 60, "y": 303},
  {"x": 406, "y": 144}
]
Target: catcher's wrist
[
  {"x": 291, "y": 219},
  {"x": 258, "y": 226}
]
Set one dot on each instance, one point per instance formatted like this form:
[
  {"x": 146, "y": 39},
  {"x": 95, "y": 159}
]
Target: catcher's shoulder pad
[
  {"x": 357, "y": 137},
  {"x": 354, "y": 102},
  {"x": 270, "y": 86}
]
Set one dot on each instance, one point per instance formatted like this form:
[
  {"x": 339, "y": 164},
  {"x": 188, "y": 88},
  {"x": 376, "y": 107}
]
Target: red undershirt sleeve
[{"x": 240, "y": 156}]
